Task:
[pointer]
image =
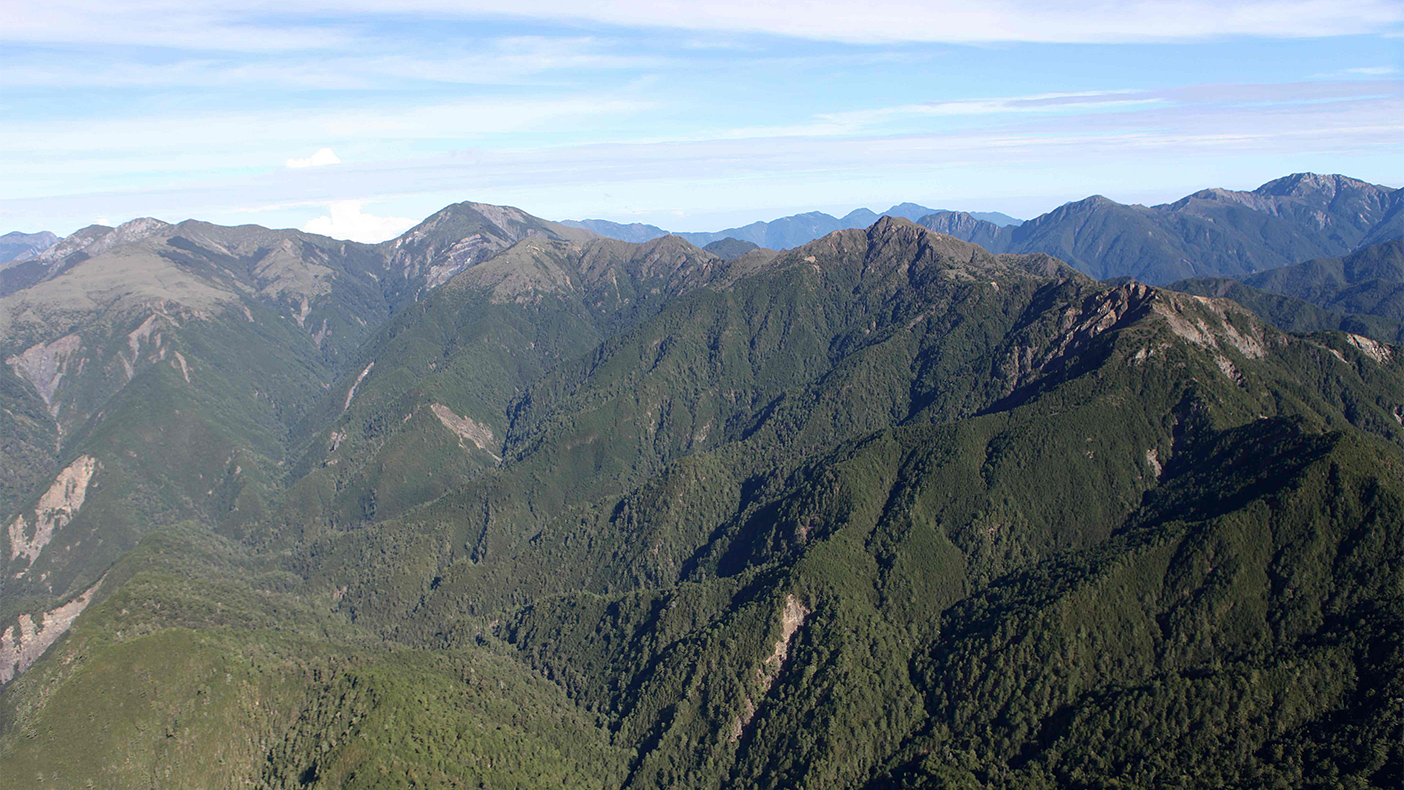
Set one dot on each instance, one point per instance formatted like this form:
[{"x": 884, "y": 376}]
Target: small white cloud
[
  {"x": 1374, "y": 71},
  {"x": 345, "y": 220},
  {"x": 324, "y": 156}
]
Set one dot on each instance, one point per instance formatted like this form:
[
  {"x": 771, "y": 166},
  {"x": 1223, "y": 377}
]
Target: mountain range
[
  {"x": 1211, "y": 233},
  {"x": 782, "y": 233},
  {"x": 1362, "y": 293},
  {"x": 506, "y": 503}
]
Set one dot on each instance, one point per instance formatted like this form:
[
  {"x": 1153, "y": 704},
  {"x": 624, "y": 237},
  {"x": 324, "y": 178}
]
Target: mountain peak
[
  {"x": 911, "y": 211},
  {"x": 1097, "y": 200},
  {"x": 1090, "y": 203},
  {"x": 465, "y": 234},
  {"x": 1301, "y": 184},
  {"x": 899, "y": 232},
  {"x": 97, "y": 239},
  {"x": 900, "y": 209},
  {"x": 888, "y": 226}
]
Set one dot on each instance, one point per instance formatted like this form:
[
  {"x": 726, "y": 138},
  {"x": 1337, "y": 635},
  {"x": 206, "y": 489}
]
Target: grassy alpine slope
[{"x": 883, "y": 511}]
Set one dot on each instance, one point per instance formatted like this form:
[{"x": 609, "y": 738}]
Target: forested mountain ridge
[
  {"x": 153, "y": 376},
  {"x": 1369, "y": 281},
  {"x": 883, "y": 510},
  {"x": 160, "y": 373},
  {"x": 1362, "y": 293},
  {"x": 431, "y": 397},
  {"x": 1210, "y": 233}
]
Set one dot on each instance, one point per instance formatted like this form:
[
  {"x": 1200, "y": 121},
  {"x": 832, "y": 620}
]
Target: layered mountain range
[
  {"x": 1211, "y": 233},
  {"x": 780, "y": 233},
  {"x": 1362, "y": 293},
  {"x": 505, "y": 503}
]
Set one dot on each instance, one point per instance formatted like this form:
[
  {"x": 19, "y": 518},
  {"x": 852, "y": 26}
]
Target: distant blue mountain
[
  {"x": 782, "y": 233},
  {"x": 16, "y": 246},
  {"x": 635, "y": 232},
  {"x": 1211, "y": 233}
]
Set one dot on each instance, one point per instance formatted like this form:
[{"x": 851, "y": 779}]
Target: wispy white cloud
[
  {"x": 218, "y": 25},
  {"x": 865, "y": 120},
  {"x": 967, "y": 21},
  {"x": 1203, "y": 127},
  {"x": 227, "y": 24},
  {"x": 1357, "y": 73},
  {"x": 345, "y": 220},
  {"x": 227, "y": 137},
  {"x": 323, "y": 156},
  {"x": 190, "y": 106},
  {"x": 927, "y": 117},
  {"x": 505, "y": 60}
]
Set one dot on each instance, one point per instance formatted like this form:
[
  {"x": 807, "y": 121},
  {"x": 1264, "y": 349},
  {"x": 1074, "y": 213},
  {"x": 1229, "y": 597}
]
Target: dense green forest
[{"x": 885, "y": 510}]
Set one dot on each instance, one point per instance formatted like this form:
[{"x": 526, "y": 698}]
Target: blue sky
[{"x": 359, "y": 117}]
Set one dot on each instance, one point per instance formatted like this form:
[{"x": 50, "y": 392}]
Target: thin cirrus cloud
[
  {"x": 177, "y": 108},
  {"x": 32, "y": 143},
  {"x": 967, "y": 21},
  {"x": 225, "y": 24},
  {"x": 1194, "y": 129},
  {"x": 323, "y": 156},
  {"x": 210, "y": 26},
  {"x": 859, "y": 121},
  {"x": 505, "y": 60}
]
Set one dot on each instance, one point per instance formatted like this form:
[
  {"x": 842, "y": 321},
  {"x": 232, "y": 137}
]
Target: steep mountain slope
[
  {"x": 1391, "y": 227},
  {"x": 885, "y": 510},
  {"x": 769, "y": 614},
  {"x": 458, "y": 236},
  {"x": 213, "y": 673},
  {"x": 160, "y": 373},
  {"x": 968, "y": 227},
  {"x": 1346, "y": 210},
  {"x": 1214, "y": 232},
  {"x": 690, "y": 551},
  {"x": 152, "y": 376},
  {"x": 429, "y": 405}
]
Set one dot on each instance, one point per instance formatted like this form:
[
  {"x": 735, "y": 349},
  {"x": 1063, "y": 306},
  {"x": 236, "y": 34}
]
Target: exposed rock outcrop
[
  {"x": 45, "y": 364},
  {"x": 791, "y": 618},
  {"x": 351, "y": 393},
  {"x": 22, "y": 644},
  {"x": 466, "y": 429},
  {"x": 55, "y": 508}
]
